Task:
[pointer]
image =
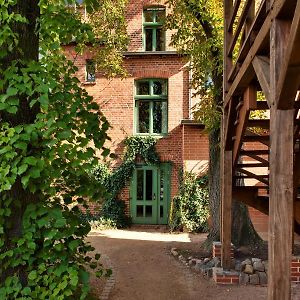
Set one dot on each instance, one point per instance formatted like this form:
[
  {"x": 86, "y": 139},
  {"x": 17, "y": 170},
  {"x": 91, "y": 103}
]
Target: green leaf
[
  {"x": 30, "y": 160},
  {"x": 12, "y": 109},
  {"x": 97, "y": 256},
  {"x": 32, "y": 275},
  {"x": 21, "y": 145},
  {"x": 22, "y": 169},
  {"x": 11, "y": 91}
]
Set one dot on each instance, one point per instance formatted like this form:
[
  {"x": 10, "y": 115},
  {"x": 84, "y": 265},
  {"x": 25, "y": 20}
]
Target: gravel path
[{"x": 145, "y": 270}]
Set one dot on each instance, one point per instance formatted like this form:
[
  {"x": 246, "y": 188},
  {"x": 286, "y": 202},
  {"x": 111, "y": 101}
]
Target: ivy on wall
[{"x": 113, "y": 210}]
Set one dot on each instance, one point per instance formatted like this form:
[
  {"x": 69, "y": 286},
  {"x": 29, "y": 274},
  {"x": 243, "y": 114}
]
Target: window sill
[
  {"x": 89, "y": 83},
  {"x": 156, "y": 136}
]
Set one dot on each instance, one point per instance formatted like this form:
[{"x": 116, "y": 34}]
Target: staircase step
[
  {"x": 264, "y": 124},
  {"x": 256, "y": 138},
  {"x": 254, "y": 152},
  {"x": 252, "y": 165}
]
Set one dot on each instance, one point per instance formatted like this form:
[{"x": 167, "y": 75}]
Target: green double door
[{"x": 150, "y": 193}]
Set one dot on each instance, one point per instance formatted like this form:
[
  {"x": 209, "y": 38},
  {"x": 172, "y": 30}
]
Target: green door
[{"x": 150, "y": 195}]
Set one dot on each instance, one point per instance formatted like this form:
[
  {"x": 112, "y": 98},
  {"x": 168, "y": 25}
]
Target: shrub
[{"x": 189, "y": 208}]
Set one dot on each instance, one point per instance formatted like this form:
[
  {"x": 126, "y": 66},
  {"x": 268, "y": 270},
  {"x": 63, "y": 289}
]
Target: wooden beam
[
  {"x": 226, "y": 209},
  {"x": 281, "y": 182},
  {"x": 289, "y": 73},
  {"x": 261, "y": 178},
  {"x": 281, "y": 203},
  {"x": 261, "y": 36},
  {"x": 249, "y": 100},
  {"x": 261, "y": 65}
]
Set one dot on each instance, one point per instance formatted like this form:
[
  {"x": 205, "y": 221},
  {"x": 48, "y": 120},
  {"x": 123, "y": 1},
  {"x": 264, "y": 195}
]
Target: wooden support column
[
  {"x": 226, "y": 209},
  {"x": 281, "y": 176}
]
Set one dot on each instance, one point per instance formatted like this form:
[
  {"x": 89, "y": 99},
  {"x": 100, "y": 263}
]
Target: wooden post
[
  {"x": 226, "y": 209},
  {"x": 281, "y": 176}
]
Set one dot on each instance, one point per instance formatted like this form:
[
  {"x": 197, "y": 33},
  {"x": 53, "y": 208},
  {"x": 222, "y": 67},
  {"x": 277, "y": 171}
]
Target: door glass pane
[
  {"x": 160, "y": 39},
  {"x": 148, "y": 38},
  {"x": 157, "y": 117},
  {"x": 140, "y": 184},
  {"x": 149, "y": 185},
  {"x": 161, "y": 191},
  {"x": 139, "y": 211},
  {"x": 161, "y": 211},
  {"x": 144, "y": 116},
  {"x": 143, "y": 88},
  {"x": 148, "y": 210}
]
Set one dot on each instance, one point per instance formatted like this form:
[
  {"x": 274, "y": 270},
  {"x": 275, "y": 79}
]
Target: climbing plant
[
  {"x": 47, "y": 126},
  {"x": 189, "y": 208},
  {"x": 113, "y": 210}
]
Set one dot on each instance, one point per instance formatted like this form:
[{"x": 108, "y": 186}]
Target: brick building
[{"x": 155, "y": 100}]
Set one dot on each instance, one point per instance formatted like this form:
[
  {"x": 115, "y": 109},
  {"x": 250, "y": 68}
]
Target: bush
[{"x": 189, "y": 208}]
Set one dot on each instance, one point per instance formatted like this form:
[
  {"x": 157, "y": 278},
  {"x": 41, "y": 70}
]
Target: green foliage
[
  {"x": 198, "y": 34},
  {"x": 135, "y": 146},
  {"x": 113, "y": 210},
  {"x": 50, "y": 129},
  {"x": 189, "y": 209}
]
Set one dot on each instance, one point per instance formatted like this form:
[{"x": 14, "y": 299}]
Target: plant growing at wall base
[{"x": 189, "y": 210}]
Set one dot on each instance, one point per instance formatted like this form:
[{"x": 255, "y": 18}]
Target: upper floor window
[
  {"x": 90, "y": 70},
  {"x": 153, "y": 32},
  {"x": 151, "y": 106}
]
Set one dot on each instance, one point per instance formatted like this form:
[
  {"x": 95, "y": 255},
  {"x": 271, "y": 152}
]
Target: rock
[
  {"x": 255, "y": 260},
  {"x": 248, "y": 269},
  {"x": 180, "y": 257},
  {"x": 244, "y": 278},
  {"x": 190, "y": 257},
  {"x": 174, "y": 252},
  {"x": 206, "y": 272},
  {"x": 206, "y": 260},
  {"x": 238, "y": 266},
  {"x": 254, "y": 279},
  {"x": 198, "y": 266},
  {"x": 246, "y": 262},
  {"x": 258, "y": 266},
  {"x": 192, "y": 262},
  {"x": 265, "y": 263},
  {"x": 263, "y": 279},
  {"x": 215, "y": 262}
]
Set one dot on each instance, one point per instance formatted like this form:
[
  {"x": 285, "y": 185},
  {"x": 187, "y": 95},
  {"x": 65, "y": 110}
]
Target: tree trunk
[
  {"x": 243, "y": 232},
  {"x": 27, "y": 50}
]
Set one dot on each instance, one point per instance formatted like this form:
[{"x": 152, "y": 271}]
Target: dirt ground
[{"x": 144, "y": 269}]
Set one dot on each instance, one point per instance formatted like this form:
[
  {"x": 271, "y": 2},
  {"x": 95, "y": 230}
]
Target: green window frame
[
  {"x": 90, "y": 70},
  {"x": 151, "y": 107},
  {"x": 154, "y": 36}
]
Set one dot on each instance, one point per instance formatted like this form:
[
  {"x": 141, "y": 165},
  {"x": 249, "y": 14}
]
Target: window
[
  {"x": 90, "y": 70},
  {"x": 151, "y": 107},
  {"x": 153, "y": 33}
]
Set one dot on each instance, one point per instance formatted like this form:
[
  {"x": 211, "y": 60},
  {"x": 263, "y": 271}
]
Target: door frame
[{"x": 161, "y": 208}]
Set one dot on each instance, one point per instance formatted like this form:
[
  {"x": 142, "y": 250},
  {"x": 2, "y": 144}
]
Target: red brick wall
[
  {"x": 135, "y": 23},
  {"x": 259, "y": 220}
]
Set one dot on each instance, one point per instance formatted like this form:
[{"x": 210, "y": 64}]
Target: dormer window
[
  {"x": 153, "y": 32},
  {"x": 90, "y": 70}
]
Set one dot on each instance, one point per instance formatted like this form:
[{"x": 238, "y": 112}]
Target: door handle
[{"x": 154, "y": 196}]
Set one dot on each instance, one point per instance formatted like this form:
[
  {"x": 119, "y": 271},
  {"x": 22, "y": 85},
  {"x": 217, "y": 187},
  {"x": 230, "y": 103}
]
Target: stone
[
  {"x": 255, "y": 260},
  {"x": 215, "y": 262},
  {"x": 265, "y": 263},
  {"x": 263, "y": 279},
  {"x": 198, "y": 266},
  {"x": 190, "y": 257},
  {"x": 248, "y": 269},
  {"x": 206, "y": 260},
  {"x": 174, "y": 252},
  {"x": 206, "y": 271},
  {"x": 246, "y": 262},
  {"x": 192, "y": 262},
  {"x": 238, "y": 266},
  {"x": 258, "y": 266},
  {"x": 244, "y": 278},
  {"x": 254, "y": 279}
]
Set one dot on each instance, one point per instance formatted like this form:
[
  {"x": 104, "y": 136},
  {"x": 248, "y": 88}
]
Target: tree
[
  {"x": 198, "y": 33},
  {"x": 50, "y": 129}
]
